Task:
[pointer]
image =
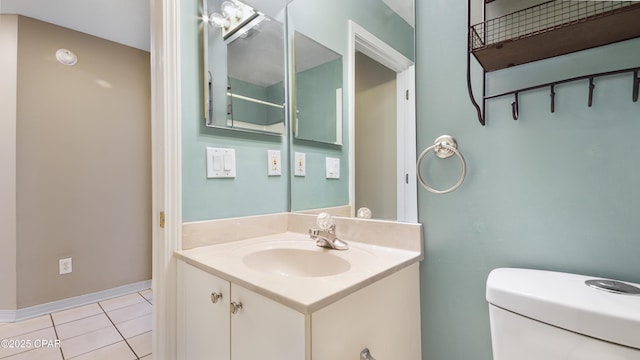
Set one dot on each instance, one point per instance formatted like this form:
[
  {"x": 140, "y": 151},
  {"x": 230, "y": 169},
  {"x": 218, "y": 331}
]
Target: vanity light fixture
[
  {"x": 66, "y": 57},
  {"x": 235, "y": 16},
  {"x": 219, "y": 20}
]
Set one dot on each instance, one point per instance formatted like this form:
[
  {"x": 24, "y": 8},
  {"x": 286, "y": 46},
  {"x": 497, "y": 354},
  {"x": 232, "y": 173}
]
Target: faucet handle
[{"x": 325, "y": 221}]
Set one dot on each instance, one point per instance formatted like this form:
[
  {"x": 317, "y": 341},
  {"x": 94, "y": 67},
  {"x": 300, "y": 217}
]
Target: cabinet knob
[
  {"x": 235, "y": 307},
  {"x": 215, "y": 297}
]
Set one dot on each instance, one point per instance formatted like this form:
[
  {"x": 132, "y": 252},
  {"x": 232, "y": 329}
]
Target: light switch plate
[
  {"x": 300, "y": 166},
  {"x": 333, "y": 168},
  {"x": 221, "y": 163},
  {"x": 274, "y": 166}
]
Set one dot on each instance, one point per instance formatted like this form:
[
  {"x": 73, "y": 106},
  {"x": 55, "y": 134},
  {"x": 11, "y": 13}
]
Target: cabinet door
[
  {"x": 384, "y": 317},
  {"x": 265, "y": 329},
  {"x": 203, "y": 326}
]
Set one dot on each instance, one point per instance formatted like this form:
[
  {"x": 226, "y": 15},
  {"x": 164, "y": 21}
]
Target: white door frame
[
  {"x": 166, "y": 169},
  {"x": 407, "y": 194}
]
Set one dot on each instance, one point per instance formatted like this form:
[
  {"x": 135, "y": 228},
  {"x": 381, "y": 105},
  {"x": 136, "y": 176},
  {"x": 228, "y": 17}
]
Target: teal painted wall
[
  {"x": 326, "y": 21},
  {"x": 252, "y": 192},
  {"x": 549, "y": 191},
  {"x": 252, "y": 112},
  {"x": 316, "y": 101},
  {"x": 314, "y": 190}
]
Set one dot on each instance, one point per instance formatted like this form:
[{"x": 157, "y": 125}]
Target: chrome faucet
[{"x": 326, "y": 235}]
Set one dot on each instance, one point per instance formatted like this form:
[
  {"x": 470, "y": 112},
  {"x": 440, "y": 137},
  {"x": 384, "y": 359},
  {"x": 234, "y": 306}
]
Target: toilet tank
[{"x": 549, "y": 315}]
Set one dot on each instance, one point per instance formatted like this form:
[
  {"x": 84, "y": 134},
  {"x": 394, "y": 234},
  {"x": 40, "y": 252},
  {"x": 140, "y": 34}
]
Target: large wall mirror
[
  {"x": 244, "y": 67},
  {"x": 373, "y": 43},
  {"x": 291, "y": 68}
]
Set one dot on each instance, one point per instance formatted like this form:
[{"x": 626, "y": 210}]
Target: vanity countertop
[{"x": 306, "y": 294}]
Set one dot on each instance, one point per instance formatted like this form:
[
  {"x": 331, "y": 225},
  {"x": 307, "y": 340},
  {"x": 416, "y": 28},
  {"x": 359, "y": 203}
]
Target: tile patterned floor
[{"x": 115, "y": 329}]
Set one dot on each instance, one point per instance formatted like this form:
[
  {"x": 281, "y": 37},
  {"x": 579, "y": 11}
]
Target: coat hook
[
  {"x": 514, "y": 108},
  {"x": 591, "y": 87},
  {"x": 553, "y": 98},
  {"x": 636, "y": 85}
]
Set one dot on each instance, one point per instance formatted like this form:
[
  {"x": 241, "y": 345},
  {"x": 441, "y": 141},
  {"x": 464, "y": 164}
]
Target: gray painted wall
[
  {"x": 83, "y": 175},
  {"x": 549, "y": 191},
  {"x": 376, "y": 138},
  {"x": 8, "y": 110}
]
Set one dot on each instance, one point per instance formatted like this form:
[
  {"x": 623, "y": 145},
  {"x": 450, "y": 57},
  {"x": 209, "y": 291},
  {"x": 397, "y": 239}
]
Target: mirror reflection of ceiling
[
  {"x": 266, "y": 41},
  {"x": 309, "y": 54},
  {"x": 404, "y": 8},
  {"x": 122, "y": 21}
]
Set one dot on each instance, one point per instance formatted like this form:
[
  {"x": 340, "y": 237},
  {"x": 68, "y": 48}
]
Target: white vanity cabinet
[
  {"x": 207, "y": 328},
  {"x": 383, "y": 316}
]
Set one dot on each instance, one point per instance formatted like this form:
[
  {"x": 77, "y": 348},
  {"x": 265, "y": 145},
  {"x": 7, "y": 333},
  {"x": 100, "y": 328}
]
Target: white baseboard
[{"x": 59, "y": 305}]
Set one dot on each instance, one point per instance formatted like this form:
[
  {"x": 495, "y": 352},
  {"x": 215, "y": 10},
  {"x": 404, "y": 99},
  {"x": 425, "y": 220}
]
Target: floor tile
[
  {"x": 135, "y": 326},
  {"x": 141, "y": 344},
  {"x": 130, "y": 312},
  {"x": 147, "y": 294},
  {"x": 26, "y": 342},
  {"x": 117, "y": 351},
  {"x": 25, "y": 326},
  {"x": 122, "y": 301},
  {"x": 38, "y": 354},
  {"x": 82, "y": 326},
  {"x": 89, "y": 342},
  {"x": 77, "y": 313},
  {"x": 87, "y": 332}
]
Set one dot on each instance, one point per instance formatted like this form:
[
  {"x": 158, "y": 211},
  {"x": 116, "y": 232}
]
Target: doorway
[
  {"x": 375, "y": 138},
  {"x": 382, "y": 141}
]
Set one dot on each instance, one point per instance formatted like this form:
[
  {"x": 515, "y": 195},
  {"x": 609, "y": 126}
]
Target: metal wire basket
[{"x": 541, "y": 18}]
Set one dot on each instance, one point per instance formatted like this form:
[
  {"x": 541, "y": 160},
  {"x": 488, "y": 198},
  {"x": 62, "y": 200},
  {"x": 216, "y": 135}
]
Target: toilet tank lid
[{"x": 565, "y": 301}]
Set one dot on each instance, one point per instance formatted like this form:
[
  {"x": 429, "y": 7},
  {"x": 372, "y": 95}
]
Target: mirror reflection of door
[{"x": 375, "y": 138}]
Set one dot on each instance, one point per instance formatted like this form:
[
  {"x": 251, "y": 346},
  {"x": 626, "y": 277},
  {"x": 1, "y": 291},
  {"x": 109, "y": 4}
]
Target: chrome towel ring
[{"x": 443, "y": 147}]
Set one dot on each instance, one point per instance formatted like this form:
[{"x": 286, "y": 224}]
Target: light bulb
[
  {"x": 218, "y": 20},
  {"x": 230, "y": 10}
]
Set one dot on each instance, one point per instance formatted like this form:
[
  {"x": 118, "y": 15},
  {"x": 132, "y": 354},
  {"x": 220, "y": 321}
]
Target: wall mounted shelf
[
  {"x": 551, "y": 29},
  {"x": 547, "y": 30}
]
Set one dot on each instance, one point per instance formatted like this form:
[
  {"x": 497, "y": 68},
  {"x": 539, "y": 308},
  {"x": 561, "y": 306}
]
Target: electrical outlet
[
  {"x": 300, "y": 164},
  {"x": 333, "y": 168},
  {"x": 273, "y": 162},
  {"x": 65, "y": 266}
]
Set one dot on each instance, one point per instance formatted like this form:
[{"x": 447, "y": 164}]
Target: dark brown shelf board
[{"x": 564, "y": 40}]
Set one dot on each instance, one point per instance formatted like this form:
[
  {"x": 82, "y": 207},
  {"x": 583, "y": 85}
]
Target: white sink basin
[
  {"x": 296, "y": 262},
  {"x": 289, "y": 267}
]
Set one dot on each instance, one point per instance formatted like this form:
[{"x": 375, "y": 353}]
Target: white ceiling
[{"x": 122, "y": 21}]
